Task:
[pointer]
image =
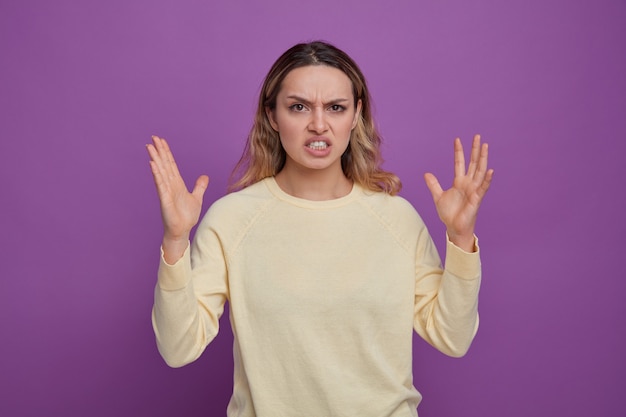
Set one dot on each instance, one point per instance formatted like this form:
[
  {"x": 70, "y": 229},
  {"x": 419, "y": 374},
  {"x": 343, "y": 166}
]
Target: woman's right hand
[{"x": 180, "y": 209}]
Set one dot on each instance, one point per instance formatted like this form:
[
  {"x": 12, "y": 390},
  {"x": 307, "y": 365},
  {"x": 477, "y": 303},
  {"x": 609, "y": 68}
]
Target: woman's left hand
[{"x": 458, "y": 206}]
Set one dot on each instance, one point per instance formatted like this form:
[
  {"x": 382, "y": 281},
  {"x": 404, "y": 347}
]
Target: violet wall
[{"x": 84, "y": 84}]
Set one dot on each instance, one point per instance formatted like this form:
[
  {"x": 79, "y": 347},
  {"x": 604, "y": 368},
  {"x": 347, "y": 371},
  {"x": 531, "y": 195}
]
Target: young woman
[{"x": 327, "y": 272}]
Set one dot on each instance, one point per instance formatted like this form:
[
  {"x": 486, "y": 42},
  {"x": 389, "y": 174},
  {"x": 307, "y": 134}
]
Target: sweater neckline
[{"x": 278, "y": 192}]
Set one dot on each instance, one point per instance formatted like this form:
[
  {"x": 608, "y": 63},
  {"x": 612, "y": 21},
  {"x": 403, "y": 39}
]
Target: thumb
[
  {"x": 201, "y": 185},
  {"x": 433, "y": 185}
]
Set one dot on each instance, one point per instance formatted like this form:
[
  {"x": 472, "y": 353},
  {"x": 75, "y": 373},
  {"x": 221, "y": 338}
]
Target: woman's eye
[
  {"x": 297, "y": 107},
  {"x": 337, "y": 107}
]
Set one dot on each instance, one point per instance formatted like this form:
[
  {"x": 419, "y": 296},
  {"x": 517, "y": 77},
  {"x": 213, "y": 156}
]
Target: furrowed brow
[{"x": 308, "y": 103}]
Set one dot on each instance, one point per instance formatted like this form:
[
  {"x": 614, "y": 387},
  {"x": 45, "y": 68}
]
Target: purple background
[{"x": 83, "y": 85}]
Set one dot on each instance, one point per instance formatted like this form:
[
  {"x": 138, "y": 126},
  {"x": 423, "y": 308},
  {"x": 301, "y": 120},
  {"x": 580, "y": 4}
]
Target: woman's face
[{"x": 314, "y": 116}]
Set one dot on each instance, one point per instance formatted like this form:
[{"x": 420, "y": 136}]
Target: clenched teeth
[{"x": 318, "y": 145}]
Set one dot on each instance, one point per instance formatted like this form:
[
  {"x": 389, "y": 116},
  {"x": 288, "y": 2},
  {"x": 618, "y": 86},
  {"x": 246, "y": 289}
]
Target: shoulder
[
  {"x": 394, "y": 210},
  {"x": 256, "y": 193},
  {"x": 239, "y": 207},
  {"x": 396, "y": 215}
]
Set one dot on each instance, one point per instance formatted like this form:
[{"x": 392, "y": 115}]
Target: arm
[
  {"x": 446, "y": 305},
  {"x": 446, "y": 300},
  {"x": 187, "y": 301}
]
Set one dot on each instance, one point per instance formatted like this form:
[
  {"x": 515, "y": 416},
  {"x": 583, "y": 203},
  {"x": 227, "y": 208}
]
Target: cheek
[
  {"x": 284, "y": 125},
  {"x": 288, "y": 137},
  {"x": 286, "y": 133},
  {"x": 349, "y": 127}
]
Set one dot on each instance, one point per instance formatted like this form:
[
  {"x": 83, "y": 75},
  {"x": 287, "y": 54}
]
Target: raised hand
[
  {"x": 180, "y": 209},
  {"x": 458, "y": 206}
]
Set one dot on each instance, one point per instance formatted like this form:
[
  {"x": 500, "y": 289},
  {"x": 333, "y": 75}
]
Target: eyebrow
[{"x": 307, "y": 102}]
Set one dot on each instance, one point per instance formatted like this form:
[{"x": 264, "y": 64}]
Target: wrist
[
  {"x": 174, "y": 248},
  {"x": 175, "y": 239},
  {"x": 464, "y": 242}
]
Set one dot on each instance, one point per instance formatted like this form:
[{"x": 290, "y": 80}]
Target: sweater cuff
[
  {"x": 172, "y": 277},
  {"x": 460, "y": 263}
]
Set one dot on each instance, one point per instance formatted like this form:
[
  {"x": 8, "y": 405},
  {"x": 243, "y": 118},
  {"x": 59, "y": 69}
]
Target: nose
[{"x": 318, "y": 122}]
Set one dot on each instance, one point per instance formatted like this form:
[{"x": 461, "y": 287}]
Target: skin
[
  {"x": 316, "y": 103},
  {"x": 180, "y": 209},
  {"x": 458, "y": 206}
]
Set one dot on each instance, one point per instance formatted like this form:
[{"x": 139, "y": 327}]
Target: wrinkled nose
[{"x": 318, "y": 122}]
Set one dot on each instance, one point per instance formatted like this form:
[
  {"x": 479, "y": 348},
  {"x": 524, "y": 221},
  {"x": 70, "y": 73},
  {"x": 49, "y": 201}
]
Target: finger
[
  {"x": 482, "y": 163},
  {"x": 160, "y": 167},
  {"x": 201, "y": 185},
  {"x": 152, "y": 152},
  {"x": 170, "y": 158},
  {"x": 484, "y": 186},
  {"x": 459, "y": 158},
  {"x": 155, "y": 159},
  {"x": 433, "y": 185},
  {"x": 474, "y": 156},
  {"x": 164, "y": 155},
  {"x": 156, "y": 152},
  {"x": 166, "y": 177},
  {"x": 161, "y": 186},
  {"x": 157, "y": 142}
]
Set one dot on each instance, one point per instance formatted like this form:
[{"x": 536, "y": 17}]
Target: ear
[
  {"x": 270, "y": 116},
  {"x": 357, "y": 113}
]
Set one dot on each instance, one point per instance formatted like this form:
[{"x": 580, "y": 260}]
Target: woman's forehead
[{"x": 317, "y": 79}]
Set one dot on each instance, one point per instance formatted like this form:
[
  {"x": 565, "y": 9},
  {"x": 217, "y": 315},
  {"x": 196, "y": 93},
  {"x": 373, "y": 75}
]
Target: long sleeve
[
  {"x": 189, "y": 299},
  {"x": 324, "y": 298},
  {"x": 446, "y": 301}
]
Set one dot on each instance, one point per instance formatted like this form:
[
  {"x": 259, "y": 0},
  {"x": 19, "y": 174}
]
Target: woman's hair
[{"x": 264, "y": 155}]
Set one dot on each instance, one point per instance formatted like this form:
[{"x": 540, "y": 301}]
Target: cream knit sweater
[{"x": 323, "y": 297}]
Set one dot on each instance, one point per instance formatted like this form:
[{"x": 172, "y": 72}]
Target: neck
[{"x": 314, "y": 185}]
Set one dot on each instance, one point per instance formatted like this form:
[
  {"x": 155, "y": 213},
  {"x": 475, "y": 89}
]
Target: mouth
[{"x": 318, "y": 145}]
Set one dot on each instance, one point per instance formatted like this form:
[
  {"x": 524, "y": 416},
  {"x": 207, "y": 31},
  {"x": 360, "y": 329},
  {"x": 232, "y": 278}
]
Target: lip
[
  {"x": 318, "y": 139},
  {"x": 318, "y": 152}
]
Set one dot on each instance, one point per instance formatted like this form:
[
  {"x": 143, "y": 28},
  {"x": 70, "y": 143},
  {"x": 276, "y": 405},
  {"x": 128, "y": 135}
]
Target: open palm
[
  {"x": 180, "y": 209},
  {"x": 457, "y": 206}
]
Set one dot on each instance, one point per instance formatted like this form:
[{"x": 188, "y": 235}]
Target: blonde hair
[{"x": 264, "y": 155}]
